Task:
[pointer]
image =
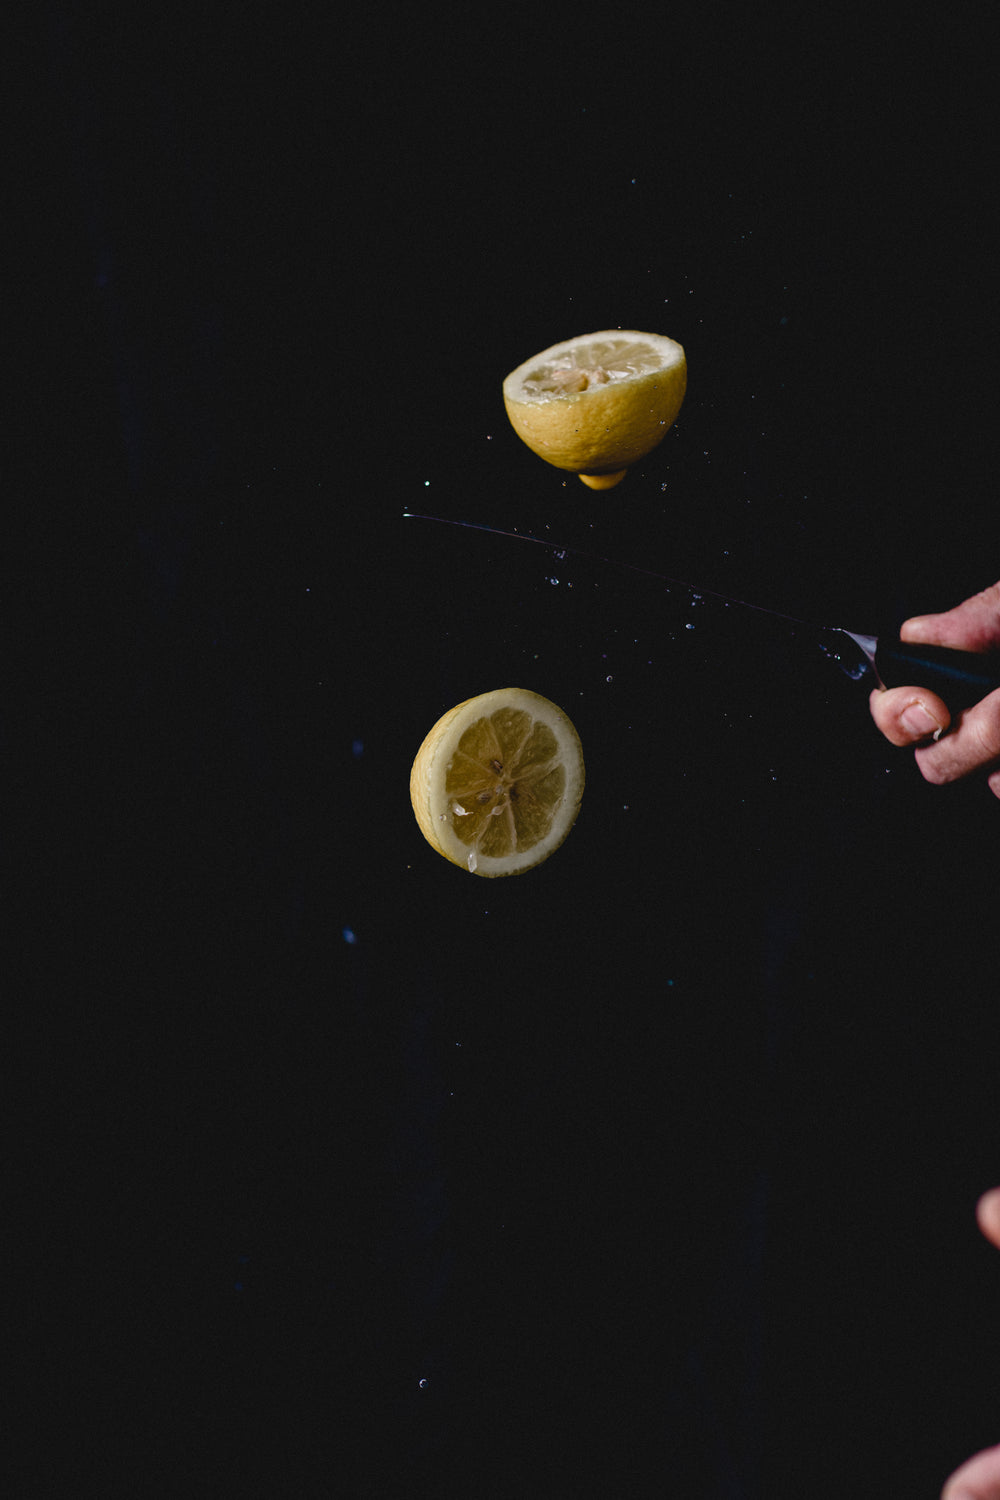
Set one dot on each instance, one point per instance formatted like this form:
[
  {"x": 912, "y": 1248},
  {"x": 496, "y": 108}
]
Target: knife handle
[{"x": 961, "y": 678}]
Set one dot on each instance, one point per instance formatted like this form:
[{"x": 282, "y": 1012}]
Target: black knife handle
[{"x": 961, "y": 678}]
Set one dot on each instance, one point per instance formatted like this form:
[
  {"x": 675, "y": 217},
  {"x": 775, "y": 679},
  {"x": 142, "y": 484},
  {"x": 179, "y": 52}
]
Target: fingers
[
  {"x": 909, "y": 716},
  {"x": 916, "y": 716},
  {"x": 979, "y": 1479},
  {"x": 971, "y": 626},
  {"x": 988, "y": 1215},
  {"x": 973, "y": 745}
]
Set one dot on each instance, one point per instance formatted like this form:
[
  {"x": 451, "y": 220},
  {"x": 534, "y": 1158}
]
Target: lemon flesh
[
  {"x": 496, "y": 784},
  {"x": 594, "y": 405}
]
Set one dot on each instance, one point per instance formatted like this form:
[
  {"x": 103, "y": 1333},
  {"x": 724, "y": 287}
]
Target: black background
[{"x": 657, "y": 1165}]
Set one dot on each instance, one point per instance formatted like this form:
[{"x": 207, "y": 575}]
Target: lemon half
[
  {"x": 598, "y": 403},
  {"x": 496, "y": 784}
]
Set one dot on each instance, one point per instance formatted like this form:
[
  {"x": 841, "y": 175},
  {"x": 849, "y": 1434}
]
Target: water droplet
[
  {"x": 473, "y": 861},
  {"x": 348, "y": 934},
  {"x": 689, "y": 627},
  {"x": 422, "y": 1384},
  {"x": 609, "y": 679}
]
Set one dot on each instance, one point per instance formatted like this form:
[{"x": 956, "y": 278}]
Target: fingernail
[{"x": 917, "y": 721}]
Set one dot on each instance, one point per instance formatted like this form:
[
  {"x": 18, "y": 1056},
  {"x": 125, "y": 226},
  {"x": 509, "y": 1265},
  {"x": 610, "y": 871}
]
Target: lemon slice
[
  {"x": 598, "y": 403},
  {"x": 496, "y": 785}
]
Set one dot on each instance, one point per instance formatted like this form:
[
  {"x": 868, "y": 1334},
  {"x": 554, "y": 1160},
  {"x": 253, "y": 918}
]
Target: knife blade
[{"x": 961, "y": 678}]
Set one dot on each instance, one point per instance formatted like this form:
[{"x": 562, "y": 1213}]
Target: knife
[{"x": 961, "y": 678}]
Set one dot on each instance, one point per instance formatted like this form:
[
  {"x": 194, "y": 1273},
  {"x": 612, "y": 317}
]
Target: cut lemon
[
  {"x": 496, "y": 785},
  {"x": 598, "y": 403}
]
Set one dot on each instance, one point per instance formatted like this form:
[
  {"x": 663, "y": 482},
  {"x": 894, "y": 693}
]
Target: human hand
[
  {"x": 979, "y": 1479},
  {"x": 914, "y": 715}
]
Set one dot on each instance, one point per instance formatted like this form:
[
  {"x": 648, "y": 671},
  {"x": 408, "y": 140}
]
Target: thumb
[{"x": 971, "y": 626}]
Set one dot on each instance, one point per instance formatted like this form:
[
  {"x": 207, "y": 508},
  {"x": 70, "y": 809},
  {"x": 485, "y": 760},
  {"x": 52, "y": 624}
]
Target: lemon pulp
[{"x": 496, "y": 784}]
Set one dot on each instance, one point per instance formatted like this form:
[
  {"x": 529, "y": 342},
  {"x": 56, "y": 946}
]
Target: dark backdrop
[{"x": 345, "y": 1173}]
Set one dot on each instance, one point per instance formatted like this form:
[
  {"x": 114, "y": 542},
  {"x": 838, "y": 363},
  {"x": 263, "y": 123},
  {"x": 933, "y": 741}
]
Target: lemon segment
[
  {"x": 594, "y": 405},
  {"x": 496, "y": 784}
]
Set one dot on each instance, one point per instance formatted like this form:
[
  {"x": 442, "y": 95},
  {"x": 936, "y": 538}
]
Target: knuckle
[
  {"x": 936, "y": 774},
  {"x": 986, "y": 731}
]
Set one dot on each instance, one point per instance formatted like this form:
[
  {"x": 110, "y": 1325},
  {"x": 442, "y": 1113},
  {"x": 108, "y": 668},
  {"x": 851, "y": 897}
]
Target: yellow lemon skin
[
  {"x": 497, "y": 783},
  {"x": 421, "y": 778},
  {"x": 611, "y": 422},
  {"x": 603, "y": 481}
]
